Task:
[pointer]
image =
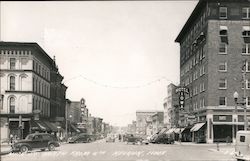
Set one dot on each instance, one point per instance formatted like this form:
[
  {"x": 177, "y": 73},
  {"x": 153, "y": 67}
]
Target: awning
[
  {"x": 43, "y": 125},
  {"x": 73, "y": 128},
  {"x": 245, "y": 28},
  {"x": 169, "y": 131},
  {"x": 178, "y": 130},
  {"x": 34, "y": 125},
  {"x": 223, "y": 27},
  {"x": 51, "y": 126},
  {"x": 197, "y": 127},
  {"x": 162, "y": 130}
]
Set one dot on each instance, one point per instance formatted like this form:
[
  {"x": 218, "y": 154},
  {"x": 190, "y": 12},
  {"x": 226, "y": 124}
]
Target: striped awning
[{"x": 197, "y": 127}]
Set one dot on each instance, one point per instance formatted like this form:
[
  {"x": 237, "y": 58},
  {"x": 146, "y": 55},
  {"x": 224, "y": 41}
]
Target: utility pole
[{"x": 244, "y": 97}]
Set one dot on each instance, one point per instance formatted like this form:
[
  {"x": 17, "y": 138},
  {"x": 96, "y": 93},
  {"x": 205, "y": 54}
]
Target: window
[
  {"x": 222, "y": 84},
  {"x": 245, "y": 49},
  {"x": 12, "y": 63},
  {"x": 223, "y": 66},
  {"x": 222, "y": 101},
  {"x": 242, "y": 138},
  {"x": 245, "y": 13},
  {"x": 248, "y": 101},
  {"x": 246, "y": 31},
  {"x": 223, "y": 48},
  {"x": 223, "y": 12},
  {"x": 12, "y": 83},
  {"x": 12, "y": 105}
]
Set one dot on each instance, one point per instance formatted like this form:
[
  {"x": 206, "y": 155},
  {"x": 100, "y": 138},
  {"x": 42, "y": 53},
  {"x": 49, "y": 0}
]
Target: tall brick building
[{"x": 214, "y": 44}]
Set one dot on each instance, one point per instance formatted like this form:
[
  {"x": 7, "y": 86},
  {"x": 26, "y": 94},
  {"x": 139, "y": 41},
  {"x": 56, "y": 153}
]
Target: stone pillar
[{"x": 210, "y": 133}]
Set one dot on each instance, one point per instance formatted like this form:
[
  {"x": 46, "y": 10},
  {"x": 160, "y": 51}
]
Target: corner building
[
  {"x": 214, "y": 44},
  {"x": 26, "y": 89}
]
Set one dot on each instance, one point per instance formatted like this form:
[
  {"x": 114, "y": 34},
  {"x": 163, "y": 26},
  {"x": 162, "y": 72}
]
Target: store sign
[
  {"x": 182, "y": 89},
  {"x": 222, "y": 118}
]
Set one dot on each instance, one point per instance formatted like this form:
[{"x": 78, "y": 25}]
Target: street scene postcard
[{"x": 142, "y": 80}]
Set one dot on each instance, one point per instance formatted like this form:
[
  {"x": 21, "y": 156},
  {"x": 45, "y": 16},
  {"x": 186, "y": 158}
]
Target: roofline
[
  {"x": 32, "y": 44},
  {"x": 190, "y": 19}
]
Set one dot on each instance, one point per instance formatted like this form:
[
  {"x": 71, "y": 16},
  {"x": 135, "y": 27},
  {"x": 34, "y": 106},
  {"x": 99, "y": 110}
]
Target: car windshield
[{"x": 29, "y": 137}]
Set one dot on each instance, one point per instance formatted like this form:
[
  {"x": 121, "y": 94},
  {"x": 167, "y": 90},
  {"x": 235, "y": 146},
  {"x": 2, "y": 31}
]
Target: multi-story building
[
  {"x": 157, "y": 122},
  {"x": 166, "y": 119},
  {"x": 214, "y": 45},
  {"x": 172, "y": 106},
  {"x": 25, "y": 80},
  {"x": 144, "y": 121}
]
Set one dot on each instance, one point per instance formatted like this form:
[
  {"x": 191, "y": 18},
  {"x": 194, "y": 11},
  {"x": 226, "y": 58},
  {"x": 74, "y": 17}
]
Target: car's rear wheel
[
  {"x": 51, "y": 147},
  {"x": 24, "y": 149}
]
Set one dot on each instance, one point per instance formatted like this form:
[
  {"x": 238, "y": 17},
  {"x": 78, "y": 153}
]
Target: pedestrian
[
  {"x": 11, "y": 138},
  {"x": 120, "y": 137}
]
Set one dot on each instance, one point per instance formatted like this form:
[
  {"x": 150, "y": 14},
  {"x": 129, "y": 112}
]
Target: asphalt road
[{"x": 121, "y": 151}]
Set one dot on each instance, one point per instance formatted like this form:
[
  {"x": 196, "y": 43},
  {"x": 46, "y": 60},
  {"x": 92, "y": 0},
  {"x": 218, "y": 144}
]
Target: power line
[{"x": 120, "y": 87}]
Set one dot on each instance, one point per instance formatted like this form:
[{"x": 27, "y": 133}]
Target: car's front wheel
[
  {"x": 51, "y": 147},
  {"x": 24, "y": 149}
]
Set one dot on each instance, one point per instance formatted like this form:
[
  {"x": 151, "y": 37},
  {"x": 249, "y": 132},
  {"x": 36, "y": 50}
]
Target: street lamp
[{"x": 236, "y": 96}]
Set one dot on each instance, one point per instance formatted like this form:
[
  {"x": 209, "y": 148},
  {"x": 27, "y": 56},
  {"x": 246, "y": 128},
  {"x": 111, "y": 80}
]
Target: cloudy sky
[{"x": 118, "y": 55}]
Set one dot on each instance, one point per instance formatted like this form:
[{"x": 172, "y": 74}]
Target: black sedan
[{"x": 36, "y": 141}]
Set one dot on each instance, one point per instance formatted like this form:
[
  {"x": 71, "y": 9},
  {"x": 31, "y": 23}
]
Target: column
[
  {"x": 234, "y": 129},
  {"x": 210, "y": 133}
]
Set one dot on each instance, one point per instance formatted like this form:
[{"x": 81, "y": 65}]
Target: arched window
[
  {"x": 12, "y": 83},
  {"x": 12, "y": 105}
]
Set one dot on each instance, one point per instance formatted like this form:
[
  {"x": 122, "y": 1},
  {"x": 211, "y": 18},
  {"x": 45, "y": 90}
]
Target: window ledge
[
  {"x": 222, "y": 71},
  {"x": 222, "y": 88},
  {"x": 222, "y": 53}
]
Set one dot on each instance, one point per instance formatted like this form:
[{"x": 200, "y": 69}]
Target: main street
[{"x": 103, "y": 151}]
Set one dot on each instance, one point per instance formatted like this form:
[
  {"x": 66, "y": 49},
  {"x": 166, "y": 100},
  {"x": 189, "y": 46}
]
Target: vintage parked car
[
  {"x": 35, "y": 141},
  {"x": 134, "y": 139},
  {"x": 163, "y": 139},
  {"x": 242, "y": 152},
  {"x": 81, "y": 138}
]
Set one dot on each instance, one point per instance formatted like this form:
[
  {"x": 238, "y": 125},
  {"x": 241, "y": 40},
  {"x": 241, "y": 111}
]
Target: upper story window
[
  {"x": 223, "y": 48},
  {"x": 245, "y": 12},
  {"x": 246, "y": 31},
  {"x": 223, "y": 66},
  {"x": 12, "y": 63},
  {"x": 246, "y": 48},
  {"x": 222, "y": 84},
  {"x": 12, "y": 83},
  {"x": 223, "y": 12},
  {"x": 222, "y": 101},
  {"x": 12, "y": 104}
]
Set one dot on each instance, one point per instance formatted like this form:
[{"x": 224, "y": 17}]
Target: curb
[{"x": 5, "y": 152}]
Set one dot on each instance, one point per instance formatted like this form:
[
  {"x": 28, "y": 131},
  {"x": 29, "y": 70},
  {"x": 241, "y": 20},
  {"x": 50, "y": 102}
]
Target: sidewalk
[{"x": 5, "y": 148}]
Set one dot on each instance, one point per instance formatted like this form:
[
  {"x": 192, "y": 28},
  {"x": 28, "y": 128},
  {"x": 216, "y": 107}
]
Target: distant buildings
[
  {"x": 144, "y": 121},
  {"x": 214, "y": 54}
]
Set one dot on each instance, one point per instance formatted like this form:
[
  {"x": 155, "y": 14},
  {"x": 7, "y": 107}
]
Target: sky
[{"x": 117, "y": 55}]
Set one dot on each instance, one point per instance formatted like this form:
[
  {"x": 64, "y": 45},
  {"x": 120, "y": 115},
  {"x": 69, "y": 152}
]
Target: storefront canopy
[{"x": 197, "y": 127}]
